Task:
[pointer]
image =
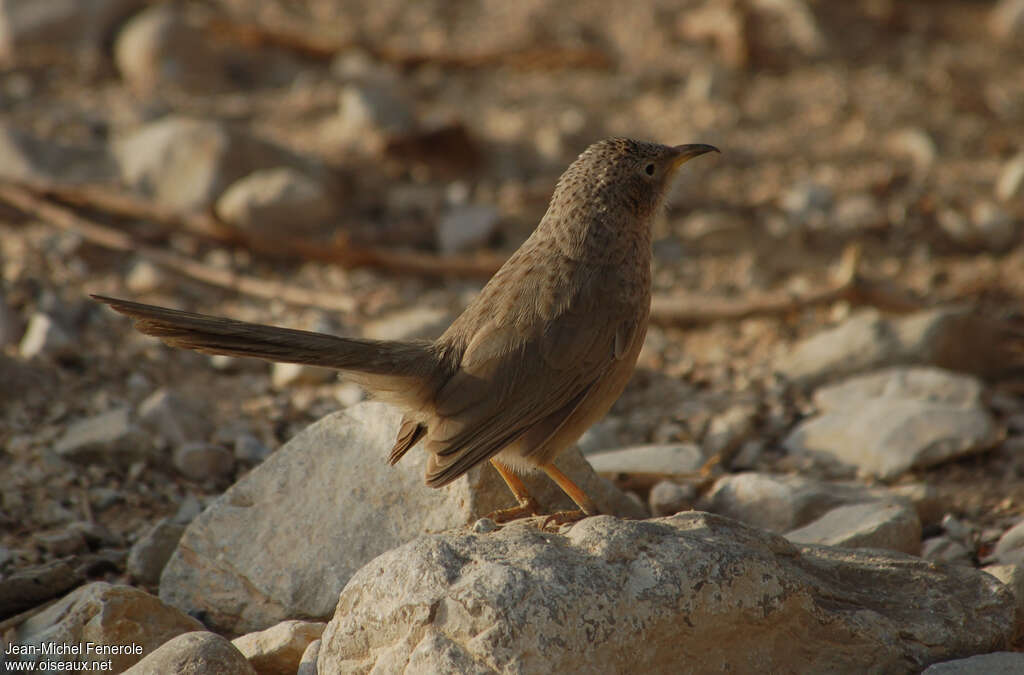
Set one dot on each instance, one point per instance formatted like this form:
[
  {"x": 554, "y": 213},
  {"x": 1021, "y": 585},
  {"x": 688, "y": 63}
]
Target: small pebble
[
  {"x": 63, "y": 542},
  {"x": 287, "y": 374},
  {"x": 484, "y": 525},
  {"x": 349, "y": 393},
  {"x": 916, "y": 144},
  {"x": 143, "y": 277},
  {"x": 956, "y": 529},
  {"x": 466, "y": 227},
  {"x": 150, "y": 553},
  {"x": 1006, "y": 19},
  {"x": 201, "y": 461},
  {"x": 668, "y": 498},
  {"x": 250, "y": 449},
  {"x": 103, "y": 497},
  {"x": 946, "y": 549},
  {"x": 1011, "y": 178},
  {"x": 44, "y": 337},
  {"x": 189, "y": 508}
]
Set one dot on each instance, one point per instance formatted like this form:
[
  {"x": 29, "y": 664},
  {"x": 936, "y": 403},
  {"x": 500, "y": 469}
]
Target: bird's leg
[
  {"x": 528, "y": 506},
  {"x": 586, "y": 504}
]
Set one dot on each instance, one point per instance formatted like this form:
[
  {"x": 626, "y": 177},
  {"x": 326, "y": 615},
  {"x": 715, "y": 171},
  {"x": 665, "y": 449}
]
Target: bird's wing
[{"x": 515, "y": 379}]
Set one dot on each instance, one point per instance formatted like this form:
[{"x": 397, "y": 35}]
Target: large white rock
[
  {"x": 284, "y": 540},
  {"x": 689, "y": 593}
]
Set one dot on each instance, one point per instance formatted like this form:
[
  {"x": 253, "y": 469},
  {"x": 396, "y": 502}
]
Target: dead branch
[
  {"x": 348, "y": 255},
  {"x": 26, "y": 201},
  {"x": 339, "y": 251},
  {"x": 848, "y": 285},
  {"x": 99, "y": 197},
  {"x": 313, "y": 45}
]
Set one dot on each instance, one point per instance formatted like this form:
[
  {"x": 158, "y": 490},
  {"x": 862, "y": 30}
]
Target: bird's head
[{"x": 621, "y": 178}]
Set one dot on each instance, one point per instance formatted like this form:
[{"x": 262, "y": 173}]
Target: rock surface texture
[
  {"x": 700, "y": 592},
  {"x": 247, "y": 564}
]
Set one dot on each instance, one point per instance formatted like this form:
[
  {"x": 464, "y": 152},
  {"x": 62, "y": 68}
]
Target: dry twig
[
  {"x": 98, "y": 197},
  {"x": 339, "y": 251},
  {"x": 26, "y": 201},
  {"x": 849, "y": 285},
  {"x": 314, "y": 45}
]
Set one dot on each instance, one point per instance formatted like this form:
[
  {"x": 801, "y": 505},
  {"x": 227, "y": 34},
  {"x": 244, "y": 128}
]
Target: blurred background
[{"x": 362, "y": 167}]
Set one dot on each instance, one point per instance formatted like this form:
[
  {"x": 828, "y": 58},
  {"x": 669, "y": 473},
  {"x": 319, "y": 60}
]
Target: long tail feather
[{"x": 217, "y": 335}]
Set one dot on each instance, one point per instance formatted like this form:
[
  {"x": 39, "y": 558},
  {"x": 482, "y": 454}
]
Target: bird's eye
[{"x": 649, "y": 169}]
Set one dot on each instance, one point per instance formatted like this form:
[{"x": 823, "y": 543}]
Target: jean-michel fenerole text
[{"x": 81, "y": 649}]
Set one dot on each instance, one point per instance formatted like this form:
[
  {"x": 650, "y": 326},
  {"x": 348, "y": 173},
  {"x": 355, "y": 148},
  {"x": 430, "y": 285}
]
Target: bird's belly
[{"x": 524, "y": 455}]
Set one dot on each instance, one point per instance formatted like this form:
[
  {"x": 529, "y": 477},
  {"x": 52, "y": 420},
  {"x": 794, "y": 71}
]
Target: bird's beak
[{"x": 684, "y": 153}]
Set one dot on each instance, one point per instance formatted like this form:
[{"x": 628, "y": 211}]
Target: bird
[{"x": 537, "y": 357}]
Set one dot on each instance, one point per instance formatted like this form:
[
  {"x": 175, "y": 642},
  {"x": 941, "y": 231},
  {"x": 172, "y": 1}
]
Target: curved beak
[{"x": 685, "y": 153}]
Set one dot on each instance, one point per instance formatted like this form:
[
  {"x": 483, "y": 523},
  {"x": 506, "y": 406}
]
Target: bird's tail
[{"x": 395, "y": 370}]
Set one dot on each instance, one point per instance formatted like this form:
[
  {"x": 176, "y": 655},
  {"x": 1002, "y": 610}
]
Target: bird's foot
[
  {"x": 527, "y": 508},
  {"x": 556, "y": 520}
]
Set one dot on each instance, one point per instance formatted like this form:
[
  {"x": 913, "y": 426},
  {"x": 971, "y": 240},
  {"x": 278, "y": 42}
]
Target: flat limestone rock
[
  {"x": 781, "y": 503},
  {"x": 889, "y": 422},
  {"x": 919, "y": 383},
  {"x": 886, "y": 438},
  {"x": 692, "y": 592},
  {"x": 955, "y": 338},
  {"x": 892, "y": 526},
  {"x": 283, "y": 541},
  {"x": 1009, "y": 543},
  {"x": 667, "y": 458},
  {"x": 996, "y": 663}
]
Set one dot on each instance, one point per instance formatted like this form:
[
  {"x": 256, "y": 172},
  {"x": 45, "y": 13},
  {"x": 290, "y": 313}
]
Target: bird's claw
[
  {"x": 563, "y": 518},
  {"x": 527, "y": 508}
]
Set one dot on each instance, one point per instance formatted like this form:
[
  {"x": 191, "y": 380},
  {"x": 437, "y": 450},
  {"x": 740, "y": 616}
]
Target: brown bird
[{"x": 538, "y": 356}]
